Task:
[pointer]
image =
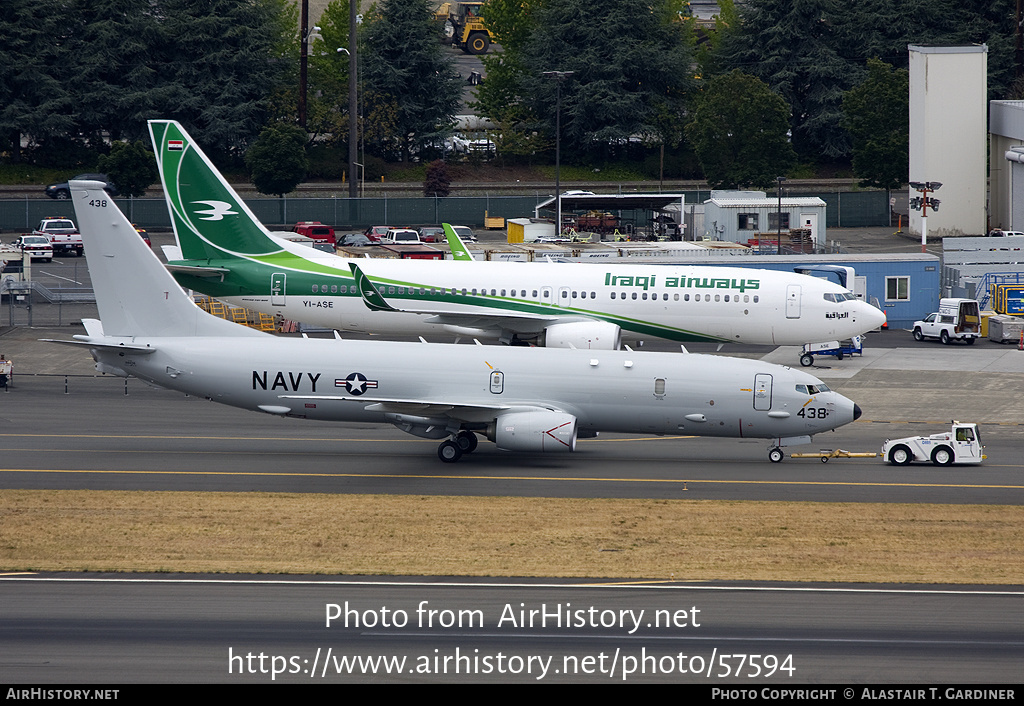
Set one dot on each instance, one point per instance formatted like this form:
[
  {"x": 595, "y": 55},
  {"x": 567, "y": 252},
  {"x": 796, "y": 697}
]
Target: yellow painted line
[{"x": 675, "y": 481}]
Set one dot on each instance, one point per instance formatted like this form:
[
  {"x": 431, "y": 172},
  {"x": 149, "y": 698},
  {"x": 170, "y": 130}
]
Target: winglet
[
  {"x": 373, "y": 299},
  {"x": 459, "y": 250}
]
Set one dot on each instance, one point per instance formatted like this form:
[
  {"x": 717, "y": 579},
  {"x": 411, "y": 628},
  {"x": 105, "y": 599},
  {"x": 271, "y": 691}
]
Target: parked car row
[{"x": 426, "y": 234}]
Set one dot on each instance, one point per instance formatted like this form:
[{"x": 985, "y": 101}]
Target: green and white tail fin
[
  {"x": 135, "y": 294},
  {"x": 210, "y": 221},
  {"x": 459, "y": 250}
]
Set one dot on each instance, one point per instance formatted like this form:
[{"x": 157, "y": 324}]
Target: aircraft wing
[
  {"x": 518, "y": 321},
  {"x": 422, "y": 408}
]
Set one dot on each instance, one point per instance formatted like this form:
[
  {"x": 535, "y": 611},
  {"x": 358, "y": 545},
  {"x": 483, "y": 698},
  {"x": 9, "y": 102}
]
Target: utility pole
[{"x": 559, "y": 76}]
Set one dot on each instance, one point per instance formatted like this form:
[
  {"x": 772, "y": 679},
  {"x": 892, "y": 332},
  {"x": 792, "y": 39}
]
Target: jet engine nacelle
[
  {"x": 595, "y": 335},
  {"x": 534, "y": 431}
]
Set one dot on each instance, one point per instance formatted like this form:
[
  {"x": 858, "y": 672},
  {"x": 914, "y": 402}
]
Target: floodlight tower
[{"x": 922, "y": 203}]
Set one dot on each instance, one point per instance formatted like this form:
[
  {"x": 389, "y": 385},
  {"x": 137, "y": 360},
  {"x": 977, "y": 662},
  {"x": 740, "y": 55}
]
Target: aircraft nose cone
[
  {"x": 857, "y": 412},
  {"x": 876, "y": 317}
]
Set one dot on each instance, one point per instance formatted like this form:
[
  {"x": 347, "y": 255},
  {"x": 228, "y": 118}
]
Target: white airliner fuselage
[{"x": 225, "y": 252}]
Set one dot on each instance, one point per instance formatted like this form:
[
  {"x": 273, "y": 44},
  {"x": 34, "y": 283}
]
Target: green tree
[
  {"x": 407, "y": 75},
  {"x": 34, "y": 101},
  {"x": 131, "y": 166},
  {"x": 277, "y": 160},
  {"x": 630, "y": 67},
  {"x": 218, "y": 63},
  {"x": 813, "y": 51},
  {"x": 877, "y": 114},
  {"x": 739, "y": 132},
  {"x": 798, "y": 48},
  {"x": 109, "y": 52}
]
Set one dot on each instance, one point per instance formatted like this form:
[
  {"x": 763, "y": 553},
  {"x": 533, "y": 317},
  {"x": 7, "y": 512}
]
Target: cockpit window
[
  {"x": 839, "y": 298},
  {"x": 812, "y": 389}
]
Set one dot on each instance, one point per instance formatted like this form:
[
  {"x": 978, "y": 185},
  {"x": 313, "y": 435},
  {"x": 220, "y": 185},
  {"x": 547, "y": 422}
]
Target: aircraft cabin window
[
  {"x": 634, "y": 295},
  {"x": 659, "y": 386},
  {"x": 675, "y": 297},
  {"x": 755, "y": 299},
  {"x": 534, "y": 294},
  {"x": 564, "y": 294},
  {"x": 334, "y": 289},
  {"x": 613, "y": 295}
]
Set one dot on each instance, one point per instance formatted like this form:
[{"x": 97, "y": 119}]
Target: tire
[
  {"x": 478, "y": 43},
  {"x": 839, "y": 355},
  {"x": 466, "y": 441},
  {"x": 807, "y": 360},
  {"x": 944, "y": 337},
  {"x": 918, "y": 336},
  {"x": 942, "y": 456},
  {"x": 449, "y": 452},
  {"x": 775, "y": 455},
  {"x": 969, "y": 340},
  {"x": 63, "y": 195},
  {"x": 900, "y": 455},
  {"x": 824, "y": 459}
]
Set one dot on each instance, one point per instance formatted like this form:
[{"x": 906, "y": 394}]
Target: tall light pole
[
  {"x": 778, "y": 217},
  {"x": 559, "y": 76},
  {"x": 922, "y": 203}
]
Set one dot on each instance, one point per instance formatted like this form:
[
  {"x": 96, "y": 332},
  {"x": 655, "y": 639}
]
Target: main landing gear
[{"x": 450, "y": 451}]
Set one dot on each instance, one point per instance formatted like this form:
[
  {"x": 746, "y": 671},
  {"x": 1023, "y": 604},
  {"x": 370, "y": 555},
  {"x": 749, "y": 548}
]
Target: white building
[
  {"x": 948, "y": 138},
  {"x": 738, "y": 216}
]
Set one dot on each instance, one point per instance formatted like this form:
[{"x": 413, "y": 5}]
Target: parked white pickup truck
[
  {"x": 956, "y": 320},
  {"x": 62, "y": 234},
  {"x": 961, "y": 444}
]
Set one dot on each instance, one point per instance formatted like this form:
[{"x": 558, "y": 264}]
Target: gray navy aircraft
[{"x": 522, "y": 399}]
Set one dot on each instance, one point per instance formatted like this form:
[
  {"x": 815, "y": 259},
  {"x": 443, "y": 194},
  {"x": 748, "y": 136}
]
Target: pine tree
[
  {"x": 407, "y": 76},
  {"x": 631, "y": 69}
]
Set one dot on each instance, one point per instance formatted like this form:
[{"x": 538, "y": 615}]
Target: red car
[{"x": 375, "y": 233}]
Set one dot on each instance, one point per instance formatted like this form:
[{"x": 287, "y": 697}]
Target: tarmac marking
[{"x": 519, "y": 478}]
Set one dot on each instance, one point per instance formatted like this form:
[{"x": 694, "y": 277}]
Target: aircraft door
[
  {"x": 793, "y": 301},
  {"x": 277, "y": 288},
  {"x": 762, "y": 392},
  {"x": 563, "y": 296}
]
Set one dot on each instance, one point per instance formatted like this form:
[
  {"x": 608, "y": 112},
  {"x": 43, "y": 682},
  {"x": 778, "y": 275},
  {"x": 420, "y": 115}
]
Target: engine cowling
[
  {"x": 540, "y": 430},
  {"x": 594, "y": 335}
]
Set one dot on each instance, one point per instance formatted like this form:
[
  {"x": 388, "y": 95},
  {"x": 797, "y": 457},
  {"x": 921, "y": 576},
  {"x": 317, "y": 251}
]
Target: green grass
[{"x": 17, "y": 174}]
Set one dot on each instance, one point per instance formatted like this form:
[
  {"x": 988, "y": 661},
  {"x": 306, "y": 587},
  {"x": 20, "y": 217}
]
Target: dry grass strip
[{"x": 47, "y": 530}]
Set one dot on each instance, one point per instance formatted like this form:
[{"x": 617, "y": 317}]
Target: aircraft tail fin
[
  {"x": 135, "y": 294},
  {"x": 459, "y": 250},
  {"x": 210, "y": 220}
]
